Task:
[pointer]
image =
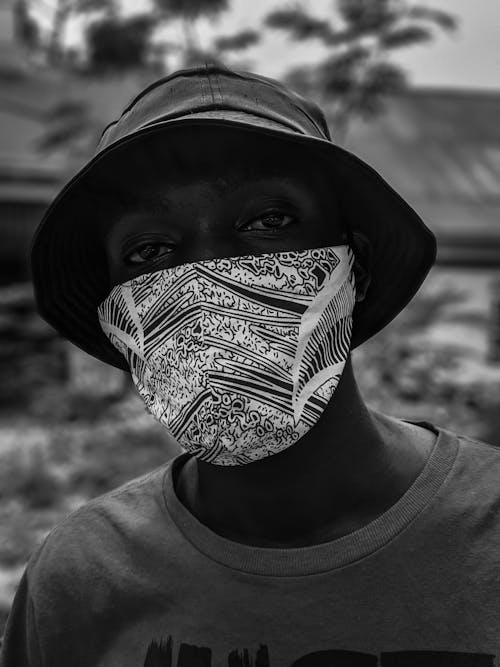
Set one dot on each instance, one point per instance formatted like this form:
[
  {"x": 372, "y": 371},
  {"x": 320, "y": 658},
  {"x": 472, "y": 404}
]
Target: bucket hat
[{"x": 68, "y": 262}]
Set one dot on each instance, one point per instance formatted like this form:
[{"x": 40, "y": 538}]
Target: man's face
[{"x": 202, "y": 194}]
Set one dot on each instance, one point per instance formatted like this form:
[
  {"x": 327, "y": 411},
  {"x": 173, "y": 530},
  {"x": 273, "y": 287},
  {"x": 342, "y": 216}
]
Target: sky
[
  {"x": 470, "y": 57},
  {"x": 467, "y": 58}
]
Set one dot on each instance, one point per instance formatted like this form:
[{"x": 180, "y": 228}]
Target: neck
[{"x": 349, "y": 468}]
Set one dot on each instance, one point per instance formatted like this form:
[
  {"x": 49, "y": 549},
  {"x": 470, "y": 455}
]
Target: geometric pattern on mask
[{"x": 237, "y": 357}]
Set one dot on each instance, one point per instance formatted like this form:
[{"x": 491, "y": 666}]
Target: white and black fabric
[{"x": 237, "y": 357}]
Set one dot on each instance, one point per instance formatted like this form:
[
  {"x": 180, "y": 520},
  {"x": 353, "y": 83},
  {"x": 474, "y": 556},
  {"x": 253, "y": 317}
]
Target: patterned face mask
[{"x": 237, "y": 357}]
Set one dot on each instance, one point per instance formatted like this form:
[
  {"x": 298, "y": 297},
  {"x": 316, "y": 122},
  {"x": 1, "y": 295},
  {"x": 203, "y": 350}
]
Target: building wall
[{"x": 18, "y": 221}]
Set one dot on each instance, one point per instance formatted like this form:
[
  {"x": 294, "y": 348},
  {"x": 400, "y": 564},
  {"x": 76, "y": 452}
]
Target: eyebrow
[{"x": 116, "y": 203}]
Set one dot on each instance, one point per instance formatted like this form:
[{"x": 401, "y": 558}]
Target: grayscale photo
[{"x": 249, "y": 333}]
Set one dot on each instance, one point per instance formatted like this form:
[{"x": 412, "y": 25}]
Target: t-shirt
[{"x": 133, "y": 579}]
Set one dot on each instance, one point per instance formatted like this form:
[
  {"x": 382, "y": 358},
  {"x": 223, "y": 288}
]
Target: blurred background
[{"x": 412, "y": 87}]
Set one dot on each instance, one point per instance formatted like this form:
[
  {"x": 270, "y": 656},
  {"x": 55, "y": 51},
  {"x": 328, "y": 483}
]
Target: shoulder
[
  {"x": 479, "y": 453},
  {"x": 101, "y": 530},
  {"x": 470, "y": 495},
  {"x": 478, "y": 460},
  {"x": 472, "y": 466}
]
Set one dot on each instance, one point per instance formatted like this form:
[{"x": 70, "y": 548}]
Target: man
[{"x": 227, "y": 254}]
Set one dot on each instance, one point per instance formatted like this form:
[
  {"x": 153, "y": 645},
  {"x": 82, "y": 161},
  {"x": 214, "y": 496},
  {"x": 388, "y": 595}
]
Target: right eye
[{"x": 147, "y": 252}]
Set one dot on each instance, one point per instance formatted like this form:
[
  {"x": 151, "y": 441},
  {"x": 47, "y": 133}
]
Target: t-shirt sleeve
[{"x": 20, "y": 646}]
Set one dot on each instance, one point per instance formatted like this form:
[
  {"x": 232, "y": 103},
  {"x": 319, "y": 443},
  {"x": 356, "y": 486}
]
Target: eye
[
  {"x": 147, "y": 252},
  {"x": 273, "y": 220}
]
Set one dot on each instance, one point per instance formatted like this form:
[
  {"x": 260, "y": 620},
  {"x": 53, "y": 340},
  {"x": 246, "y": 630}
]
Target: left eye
[
  {"x": 269, "y": 221},
  {"x": 146, "y": 252}
]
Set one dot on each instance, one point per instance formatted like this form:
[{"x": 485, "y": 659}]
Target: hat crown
[{"x": 214, "y": 87}]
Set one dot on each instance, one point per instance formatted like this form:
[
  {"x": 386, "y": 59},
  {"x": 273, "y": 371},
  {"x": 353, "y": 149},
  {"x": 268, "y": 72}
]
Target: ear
[{"x": 363, "y": 253}]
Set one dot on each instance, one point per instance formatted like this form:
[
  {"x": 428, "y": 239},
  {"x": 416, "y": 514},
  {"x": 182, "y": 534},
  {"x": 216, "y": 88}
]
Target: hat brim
[{"x": 69, "y": 267}]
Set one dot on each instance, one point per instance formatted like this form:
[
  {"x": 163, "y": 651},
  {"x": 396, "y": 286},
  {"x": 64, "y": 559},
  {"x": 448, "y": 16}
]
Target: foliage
[
  {"x": 55, "y": 50},
  {"x": 299, "y": 24},
  {"x": 354, "y": 79},
  {"x": 358, "y": 73},
  {"x": 18, "y": 537},
  {"x": 193, "y": 9},
  {"x": 119, "y": 44},
  {"x": 26, "y": 343},
  {"x": 404, "y": 372},
  {"x": 27, "y": 474},
  {"x": 238, "y": 42},
  {"x": 26, "y": 28},
  {"x": 115, "y": 43}
]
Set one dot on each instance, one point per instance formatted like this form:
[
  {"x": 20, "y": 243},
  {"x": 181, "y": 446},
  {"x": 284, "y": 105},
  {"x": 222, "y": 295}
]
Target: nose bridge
[{"x": 209, "y": 239}]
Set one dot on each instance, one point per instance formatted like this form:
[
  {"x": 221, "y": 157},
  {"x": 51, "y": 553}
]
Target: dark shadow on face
[{"x": 195, "y": 194}]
